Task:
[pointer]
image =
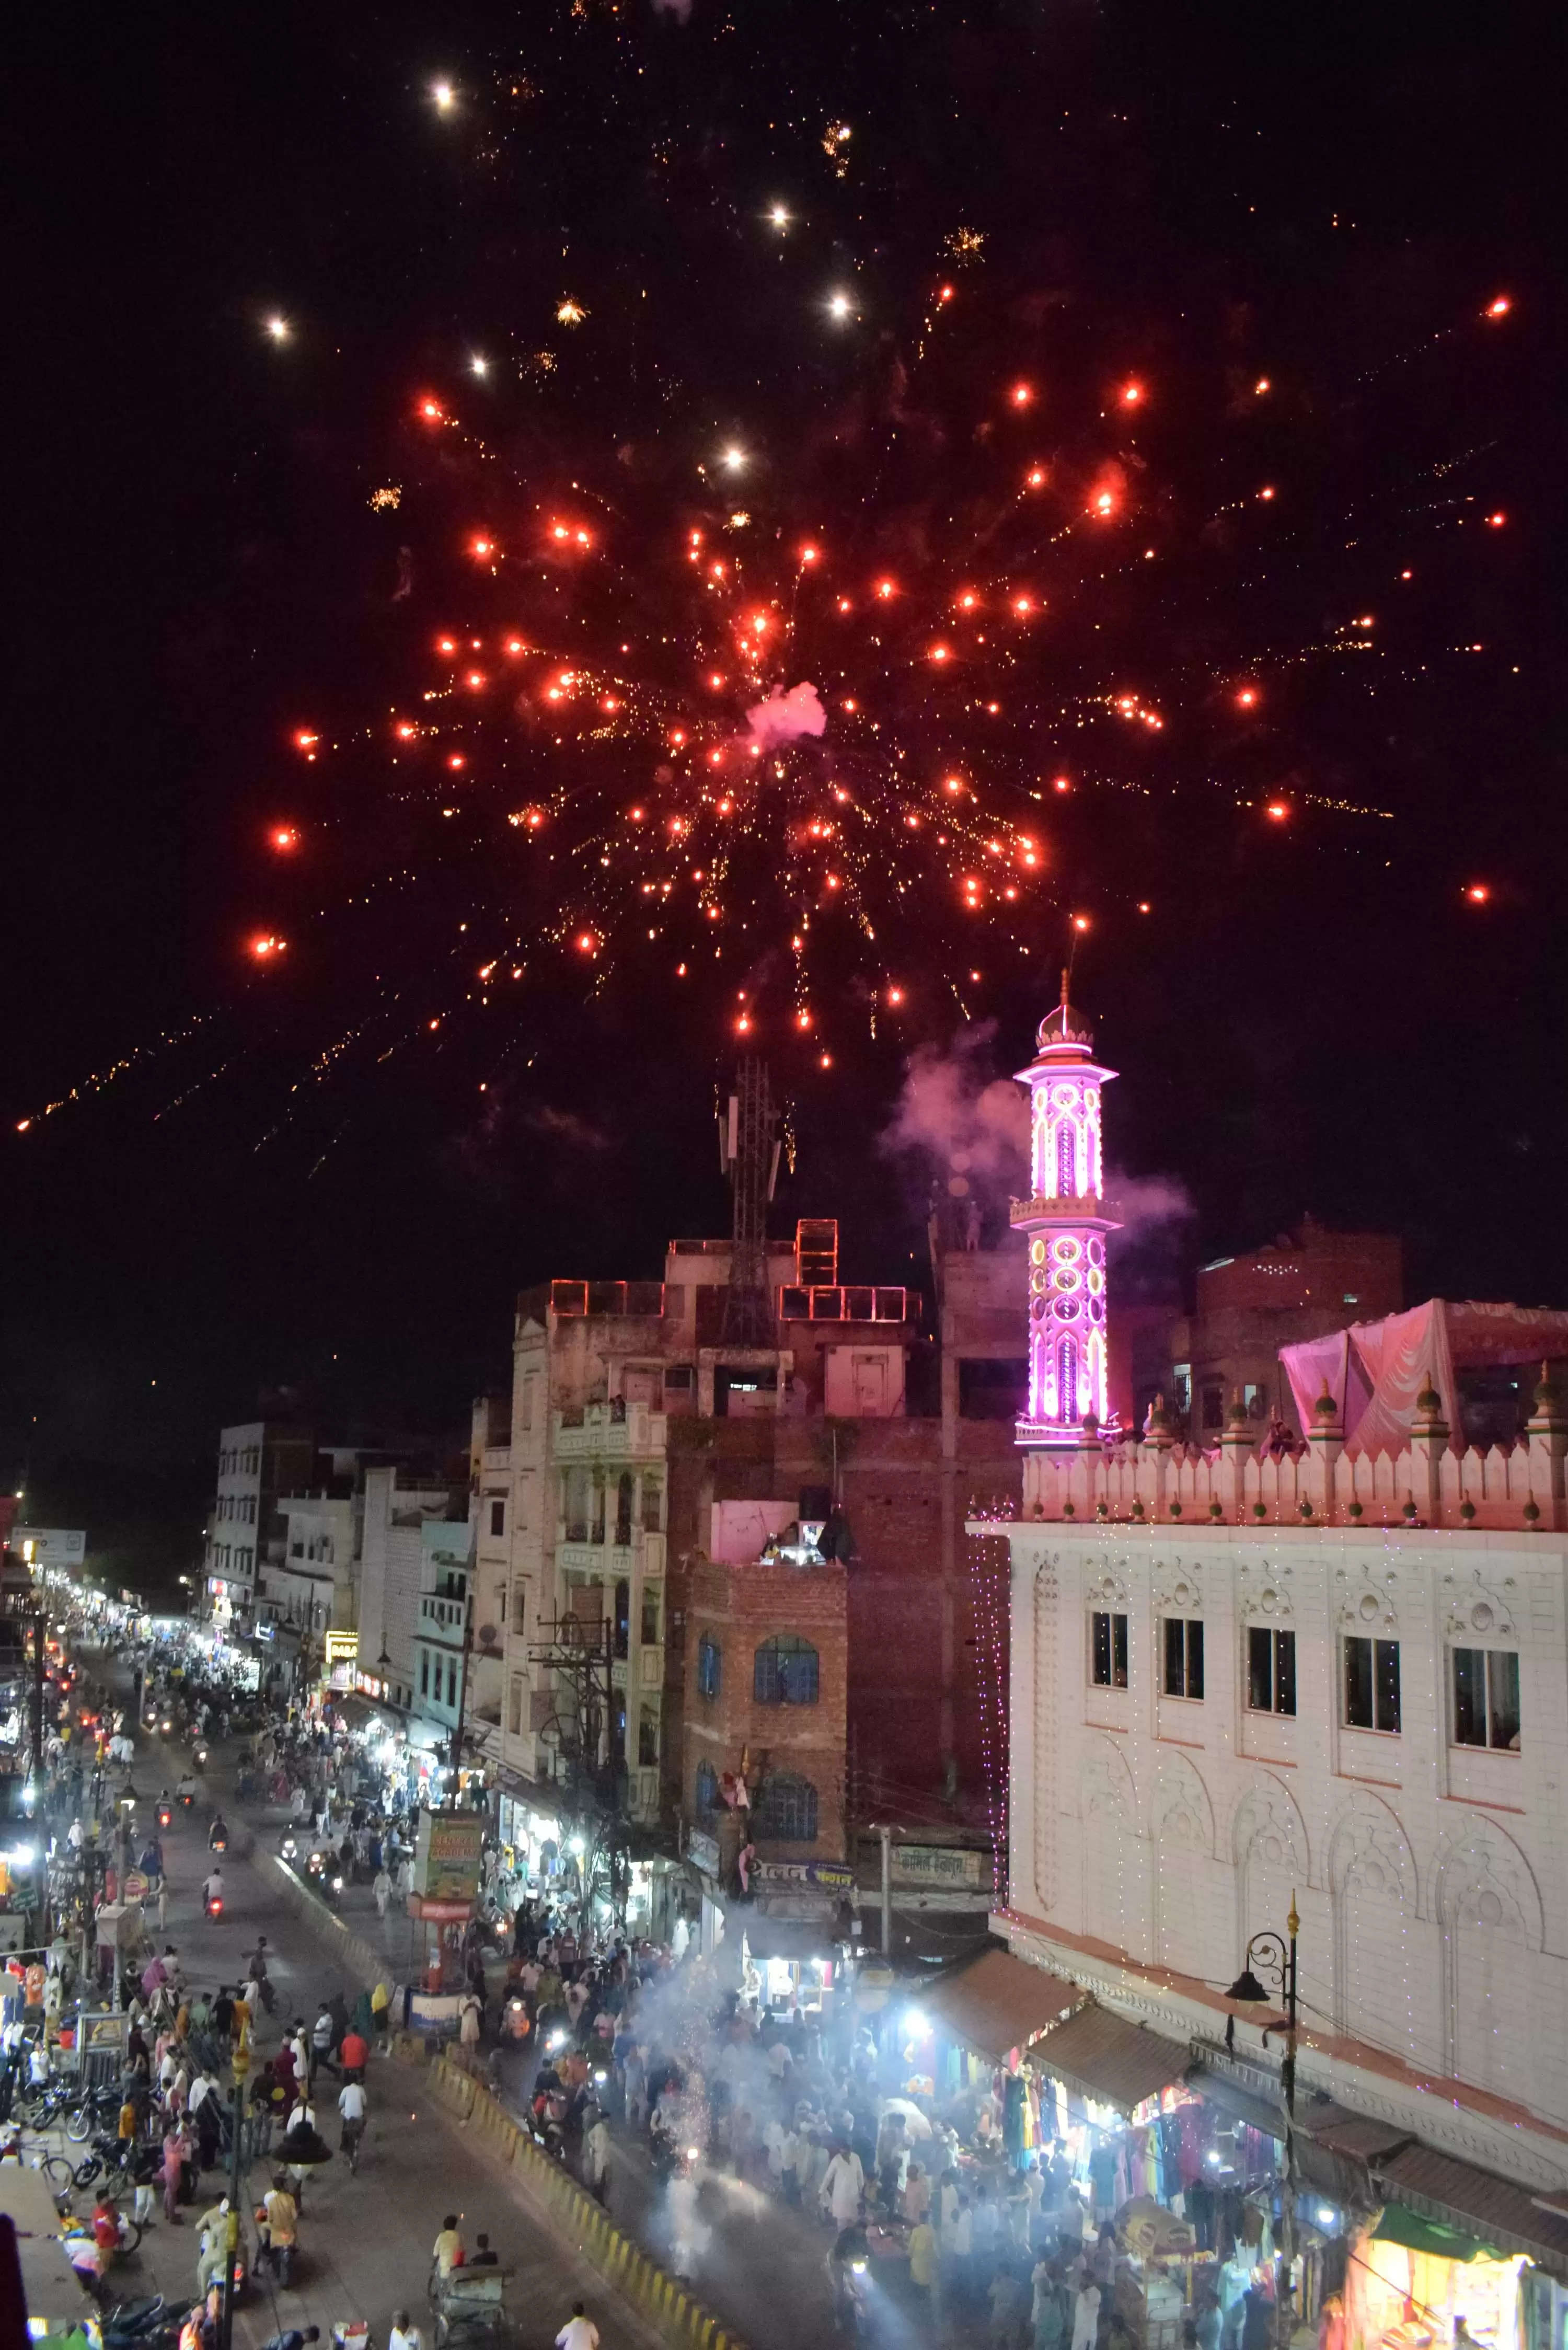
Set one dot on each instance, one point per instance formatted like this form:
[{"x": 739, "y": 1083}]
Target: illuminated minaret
[{"x": 1067, "y": 1228}]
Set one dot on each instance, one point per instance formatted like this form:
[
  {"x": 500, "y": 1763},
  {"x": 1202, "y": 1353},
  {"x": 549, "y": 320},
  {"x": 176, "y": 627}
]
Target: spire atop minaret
[{"x": 1062, "y": 1029}]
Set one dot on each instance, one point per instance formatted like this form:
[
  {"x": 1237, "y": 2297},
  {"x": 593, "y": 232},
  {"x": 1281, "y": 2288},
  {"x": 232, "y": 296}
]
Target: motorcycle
[
  {"x": 289, "y": 1846},
  {"x": 198, "y": 1758},
  {"x": 139, "y": 2325},
  {"x": 84, "y": 2116},
  {"x": 211, "y": 1904},
  {"x": 187, "y": 1797},
  {"x": 324, "y": 1872},
  {"x": 165, "y": 1815}
]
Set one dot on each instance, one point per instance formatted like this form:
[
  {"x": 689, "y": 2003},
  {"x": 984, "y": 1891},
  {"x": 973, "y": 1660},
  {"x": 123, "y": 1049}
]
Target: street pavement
[{"x": 364, "y": 2241}]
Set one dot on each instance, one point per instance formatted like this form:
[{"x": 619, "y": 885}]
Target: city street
[
  {"x": 760, "y": 2266},
  {"x": 364, "y": 2241}
]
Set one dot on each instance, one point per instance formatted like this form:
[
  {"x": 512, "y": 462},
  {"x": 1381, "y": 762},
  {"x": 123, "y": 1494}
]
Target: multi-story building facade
[
  {"x": 766, "y": 1702},
  {"x": 1247, "y": 1692},
  {"x": 630, "y": 1421},
  {"x": 414, "y": 1526},
  {"x": 257, "y": 1460}
]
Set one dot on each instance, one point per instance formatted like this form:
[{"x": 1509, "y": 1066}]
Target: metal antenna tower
[{"x": 750, "y": 1158}]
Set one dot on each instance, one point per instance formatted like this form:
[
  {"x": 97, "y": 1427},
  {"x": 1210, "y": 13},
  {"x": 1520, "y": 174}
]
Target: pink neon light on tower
[{"x": 1066, "y": 1231}]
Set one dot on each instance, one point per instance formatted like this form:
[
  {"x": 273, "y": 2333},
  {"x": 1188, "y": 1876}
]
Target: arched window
[
  {"x": 623, "y": 1497},
  {"x": 710, "y": 1665},
  {"x": 784, "y": 1672},
  {"x": 646, "y": 1739},
  {"x": 622, "y": 1616},
  {"x": 705, "y": 1793},
  {"x": 786, "y": 1812}
]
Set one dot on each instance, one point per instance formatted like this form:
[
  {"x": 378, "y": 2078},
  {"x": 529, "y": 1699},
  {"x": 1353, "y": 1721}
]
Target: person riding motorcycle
[
  {"x": 846, "y": 2274},
  {"x": 212, "y": 1893},
  {"x": 186, "y": 1789},
  {"x": 218, "y": 1834}
]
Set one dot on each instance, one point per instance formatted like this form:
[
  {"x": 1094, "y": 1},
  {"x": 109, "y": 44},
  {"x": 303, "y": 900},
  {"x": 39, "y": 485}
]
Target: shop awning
[
  {"x": 1239, "y": 2105},
  {"x": 1118, "y": 2063},
  {"x": 1336, "y": 2149},
  {"x": 1459, "y": 2198},
  {"x": 790, "y": 1938},
  {"x": 998, "y": 2003}
]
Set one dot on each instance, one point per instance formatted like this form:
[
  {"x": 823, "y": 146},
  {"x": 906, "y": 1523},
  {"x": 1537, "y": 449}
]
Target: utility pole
[
  {"x": 40, "y": 1625},
  {"x": 462, "y": 1693},
  {"x": 232, "y": 2233}
]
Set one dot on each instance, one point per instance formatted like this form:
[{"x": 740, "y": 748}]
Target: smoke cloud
[
  {"x": 969, "y": 1131},
  {"x": 680, "y": 9},
  {"x": 785, "y": 715},
  {"x": 956, "y": 1114}
]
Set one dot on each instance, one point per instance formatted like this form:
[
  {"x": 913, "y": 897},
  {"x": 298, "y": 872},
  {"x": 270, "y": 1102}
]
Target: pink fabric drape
[{"x": 1376, "y": 1371}]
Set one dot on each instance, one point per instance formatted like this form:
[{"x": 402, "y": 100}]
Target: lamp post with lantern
[{"x": 1272, "y": 1955}]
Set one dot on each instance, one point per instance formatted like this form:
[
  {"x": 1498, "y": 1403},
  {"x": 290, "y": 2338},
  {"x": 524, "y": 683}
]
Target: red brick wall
[{"x": 740, "y": 1607}]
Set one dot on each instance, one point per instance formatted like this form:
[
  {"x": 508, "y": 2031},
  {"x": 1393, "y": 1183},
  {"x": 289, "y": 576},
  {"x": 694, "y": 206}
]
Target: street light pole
[{"x": 1273, "y": 1956}]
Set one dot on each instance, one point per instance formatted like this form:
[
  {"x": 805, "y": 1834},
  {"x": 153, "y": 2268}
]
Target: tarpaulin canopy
[
  {"x": 998, "y": 2003},
  {"x": 1400, "y": 2225},
  {"x": 1118, "y": 2063},
  {"x": 1376, "y": 1371},
  {"x": 1459, "y": 2195}
]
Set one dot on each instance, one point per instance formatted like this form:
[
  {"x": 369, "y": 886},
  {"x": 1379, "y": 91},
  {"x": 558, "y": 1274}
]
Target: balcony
[{"x": 609, "y": 1431}]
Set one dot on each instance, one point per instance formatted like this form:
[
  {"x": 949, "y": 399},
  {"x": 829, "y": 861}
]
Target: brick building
[
  {"x": 630, "y": 1422},
  {"x": 766, "y": 1702},
  {"x": 1247, "y": 1308}
]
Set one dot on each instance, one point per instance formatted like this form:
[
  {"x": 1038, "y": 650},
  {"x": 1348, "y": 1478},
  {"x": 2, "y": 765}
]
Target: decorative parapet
[{"x": 1517, "y": 1488}]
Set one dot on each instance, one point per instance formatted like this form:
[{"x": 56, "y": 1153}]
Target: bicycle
[{"x": 353, "y": 2139}]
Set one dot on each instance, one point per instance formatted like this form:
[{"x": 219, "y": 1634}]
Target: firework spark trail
[{"x": 601, "y": 737}]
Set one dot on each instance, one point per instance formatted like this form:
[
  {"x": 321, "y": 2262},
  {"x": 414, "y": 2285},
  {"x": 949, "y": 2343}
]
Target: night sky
[{"x": 272, "y": 1172}]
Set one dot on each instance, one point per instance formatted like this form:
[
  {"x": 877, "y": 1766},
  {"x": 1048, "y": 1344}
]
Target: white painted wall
[{"x": 1431, "y": 1879}]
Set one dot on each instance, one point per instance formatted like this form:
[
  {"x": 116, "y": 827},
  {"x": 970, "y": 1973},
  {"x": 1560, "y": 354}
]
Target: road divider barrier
[{"x": 683, "y": 2323}]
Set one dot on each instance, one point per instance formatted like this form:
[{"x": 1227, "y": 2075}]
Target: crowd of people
[{"x": 795, "y": 2106}]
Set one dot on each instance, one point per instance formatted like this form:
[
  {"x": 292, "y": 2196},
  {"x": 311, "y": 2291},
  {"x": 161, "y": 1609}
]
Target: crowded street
[
  {"x": 365, "y": 2239},
  {"x": 805, "y": 2160}
]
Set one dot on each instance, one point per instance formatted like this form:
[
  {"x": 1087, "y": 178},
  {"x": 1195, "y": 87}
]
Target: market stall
[{"x": 1411, "y": 2283}]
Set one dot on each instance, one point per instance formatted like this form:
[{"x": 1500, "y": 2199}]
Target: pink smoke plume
[
  {"x": 955, "y": 1112},
  {"x": 785, "y": 715}
]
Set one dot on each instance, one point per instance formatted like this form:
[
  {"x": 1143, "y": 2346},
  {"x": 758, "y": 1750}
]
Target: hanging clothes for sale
[{"x": 1015, "y": 2107}]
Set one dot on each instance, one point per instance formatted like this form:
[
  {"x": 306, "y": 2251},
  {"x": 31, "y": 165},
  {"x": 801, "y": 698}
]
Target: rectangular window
[
  {"x": 514, "y": 1706},
  {"x": 647, "y": 1739},
  {"x": 525, "y": 1410},
  {"x": 519, "y": 1606},
  {"x": 1183, "y": 1656},
  {"x": 1371, "y": 1684},
  {"x": 648, "y": 1629},
  {"x": 424, "y": 1672},
  {"x": 1213, "y": 1406},
  {"x": 1485, "y": 1698},
  {"x": 1107, "y": 1650},
  {"x": 1271, "y": 1670},
  {"x": 498, "y": 1517},
  {"x": 650, "y": 1505}
]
